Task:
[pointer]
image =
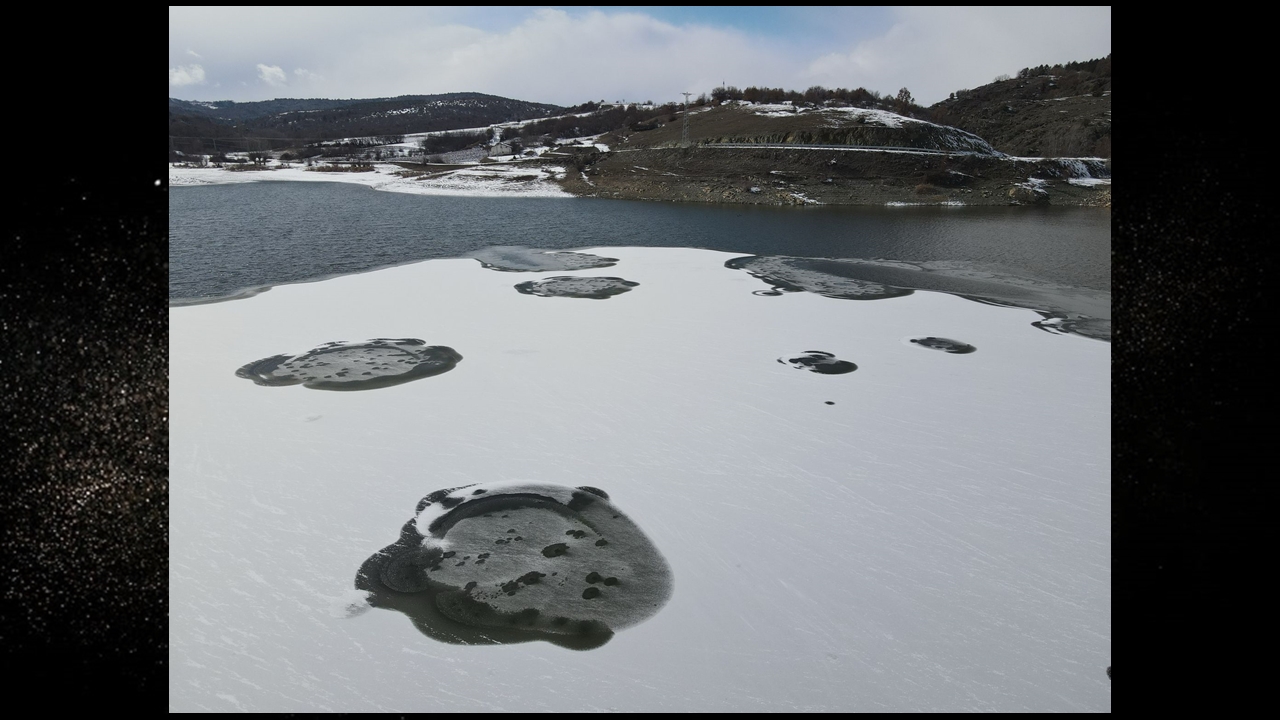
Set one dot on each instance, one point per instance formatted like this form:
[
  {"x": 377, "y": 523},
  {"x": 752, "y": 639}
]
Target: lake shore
[
  {"x": 754, "y": 176},
  {"x": 779, "y": 175}
]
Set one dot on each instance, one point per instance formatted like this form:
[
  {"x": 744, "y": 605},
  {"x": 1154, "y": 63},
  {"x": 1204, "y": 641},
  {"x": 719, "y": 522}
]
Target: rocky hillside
[
  {"x": 782, "y": 154},
  {"x": 773, "y": 175},
  {"x": 1060, "y": 113},
  {"x": 1023, "y": 141},
  {"x": 785, "y": 124},
  {"x": 285, "y": 122}
]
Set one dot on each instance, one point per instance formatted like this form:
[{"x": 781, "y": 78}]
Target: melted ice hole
[
  {"x": 830, "y": 278},
  {"x": 597, "y": 288},
  {"x": 512, "y": 562},
  {"x": 819, "y": 362},
  {"x": 944, "y": 344},
  {"x": 354, "y": 365},
  {"x": 507, "y": 258}
]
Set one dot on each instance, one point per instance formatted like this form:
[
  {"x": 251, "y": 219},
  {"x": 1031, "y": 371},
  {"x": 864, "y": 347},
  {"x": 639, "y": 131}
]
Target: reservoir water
[{"x": 226, "y": 239}]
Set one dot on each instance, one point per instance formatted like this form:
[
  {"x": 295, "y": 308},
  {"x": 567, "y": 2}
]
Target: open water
[{"x": 227, "y": 241}]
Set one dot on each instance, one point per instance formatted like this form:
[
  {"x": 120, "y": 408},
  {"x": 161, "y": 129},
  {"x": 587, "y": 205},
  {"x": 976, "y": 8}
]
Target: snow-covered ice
[
  {"x": 497, "y": 179},
  {"x": 928, "y": 532}
]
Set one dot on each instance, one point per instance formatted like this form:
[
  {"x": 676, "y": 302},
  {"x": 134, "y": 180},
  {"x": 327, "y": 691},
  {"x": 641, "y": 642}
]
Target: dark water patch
[
  {"x": 819, "y": 362},
  {"x": 513, "y": 597},
  {"x": 510, "y": 258},
  {"x": 823, "y": 277},
  {"x": 1060, "y": 323},
  {"x": 226, "y": 238},
  {"x": 366, "y": 365},
  {"x": 1066, "y": 309},
  {"x": 944, "y": 344},
  {"x": 596, "y": 288}
]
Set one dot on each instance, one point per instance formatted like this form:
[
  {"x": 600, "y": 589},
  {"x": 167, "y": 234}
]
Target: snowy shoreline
[{"x": 511, "y": 178}]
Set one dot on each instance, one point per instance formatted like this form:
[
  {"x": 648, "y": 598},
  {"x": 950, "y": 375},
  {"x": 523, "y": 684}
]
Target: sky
[{"x": 566, "y": 56}]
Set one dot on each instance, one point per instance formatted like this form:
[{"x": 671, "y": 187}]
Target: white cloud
[
  {"x": 934, "y": 51},
  {"x": 194, "y": 54},
  {"x": 186, "y": 75},
  {"x": 271, "y": 75},
  {"x": 556, "y": 57},
  {"x": 567, "y": 57}
]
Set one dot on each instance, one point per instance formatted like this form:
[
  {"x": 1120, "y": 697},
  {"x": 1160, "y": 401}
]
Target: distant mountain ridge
[{"x": 282, "y": 122}]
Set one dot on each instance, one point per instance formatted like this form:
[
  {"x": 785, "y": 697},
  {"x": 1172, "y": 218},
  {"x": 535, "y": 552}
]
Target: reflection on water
[
  {"x": 367, "y": 365},
  {"x": 597, "y": 288},
  {"x": 521, "y": 259},
  {"x": 819, "y": 362},
  {"x": 513, "y": 562}
]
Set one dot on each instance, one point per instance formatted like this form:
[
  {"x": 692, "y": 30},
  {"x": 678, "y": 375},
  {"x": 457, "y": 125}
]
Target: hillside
[
  {"x": 274, "y": 124},
  {"x": 739, "y": 122},
  {"x": 1025, "y": 140},
  {"x": 1045, "y": 112},
  {"x": 1041, "y": 138},
  {"x": 779, "y": 154}
]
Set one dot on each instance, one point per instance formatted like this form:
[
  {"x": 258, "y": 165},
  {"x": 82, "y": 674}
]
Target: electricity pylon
[{"x": 684, "y": 134}]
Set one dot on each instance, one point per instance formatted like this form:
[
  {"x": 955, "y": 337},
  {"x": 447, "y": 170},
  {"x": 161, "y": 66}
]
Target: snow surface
[
  {"x": 870, "y": 115},
  {"x": 937, "y": 539},
  {"x": 944, "y": 203},
  {"x": 498, "y": 179}
]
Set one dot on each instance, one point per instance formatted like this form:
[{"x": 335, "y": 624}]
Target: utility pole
[{"x": 684, "y": 134}]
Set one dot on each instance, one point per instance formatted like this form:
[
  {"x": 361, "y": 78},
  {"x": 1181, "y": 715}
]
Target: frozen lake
[{"x": 895, "y": 503}]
